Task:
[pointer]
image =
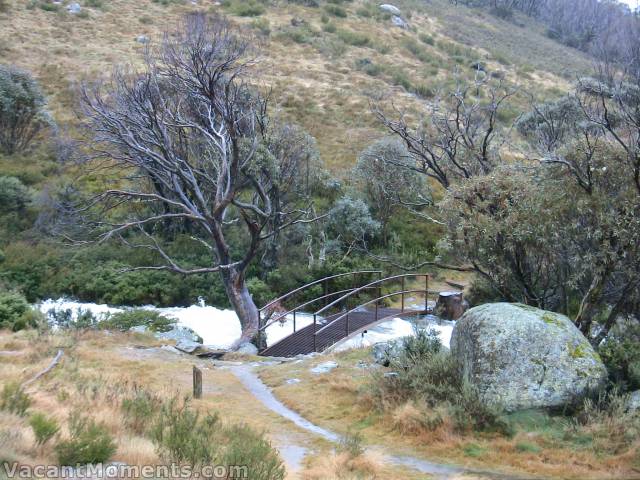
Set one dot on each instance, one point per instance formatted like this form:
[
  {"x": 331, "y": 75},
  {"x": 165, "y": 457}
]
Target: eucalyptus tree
[
  {"x": 186, "y": 139},
  {"x": 23, "y": 111},
  {"x": 386, "y": 187}
]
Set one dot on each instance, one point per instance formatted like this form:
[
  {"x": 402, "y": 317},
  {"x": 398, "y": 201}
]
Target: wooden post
[
  {"x": 294, "y": 321},
  {"x": 402, "y": 304},
  {"x": 347, "y": 324},
  {"x": 197, "y": 382},
  {"x": 426, "y": 293}
]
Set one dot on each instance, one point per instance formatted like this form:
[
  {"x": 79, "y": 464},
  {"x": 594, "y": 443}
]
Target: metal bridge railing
[
  {"x": 377, "y": 285},
  {"x": 327, "y": 295}
]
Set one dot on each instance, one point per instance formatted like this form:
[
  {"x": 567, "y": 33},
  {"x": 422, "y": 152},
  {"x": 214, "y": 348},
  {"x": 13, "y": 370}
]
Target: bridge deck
[{"x": 301, "y": 342}]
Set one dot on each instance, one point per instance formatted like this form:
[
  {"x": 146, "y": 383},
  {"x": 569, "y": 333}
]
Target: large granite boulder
[{"x": 522, "y": 357}]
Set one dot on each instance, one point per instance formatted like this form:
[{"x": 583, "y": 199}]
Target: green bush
[
  {"x": 22, "y": 109},
  {"x": 181, "y": 434},
  {"x": 620, "y": 353},
  {"x": 89, "y": 443},
  {"x": 139, "y": 411},
  {"x": 246, "y": 447},
  {"x": 353, "y": 38},
  {"x": 427, "y": 374},
  {"x": 471, "y": 413},
  {"x": 14, "y": 196},
  {"x": 14, "y": 399},
  {"x": 351, "y": 444},
  {"x": 247, "y": 9},
  {"x": 336, "y": 11},
  {"x": 44, "y": 428},
  {"x": 15, "y": 312},
  {"x": 262, "y": 25},
  {"x": 123, "y": 321},
  {"x": 428, "y": 39}
]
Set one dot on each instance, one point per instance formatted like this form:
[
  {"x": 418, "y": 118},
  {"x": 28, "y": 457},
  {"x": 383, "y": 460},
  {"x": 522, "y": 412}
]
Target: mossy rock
[{"x": 522, "y": 357}]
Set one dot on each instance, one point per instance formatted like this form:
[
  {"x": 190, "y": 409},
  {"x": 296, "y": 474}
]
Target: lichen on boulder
[{"x": 522, "y": 357}]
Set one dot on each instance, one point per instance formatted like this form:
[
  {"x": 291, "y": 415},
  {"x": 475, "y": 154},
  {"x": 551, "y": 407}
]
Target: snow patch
[{"x": 397, "y": 328}]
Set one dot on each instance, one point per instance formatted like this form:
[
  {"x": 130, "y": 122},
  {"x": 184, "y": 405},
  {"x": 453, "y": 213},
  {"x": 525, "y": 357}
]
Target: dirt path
[{"x": 260, "y": 391}]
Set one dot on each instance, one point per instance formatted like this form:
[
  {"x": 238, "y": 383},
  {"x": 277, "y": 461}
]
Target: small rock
[
  {"x": 390, "y": 374},
  {"x": 142, "y": 39},
  {"x": 298, "y": 22},
  {"x": 292, "y": 381},
  {"x": 248, "y": 348},
  {"x": 74, "y": 8},
  {"x": 187, "y": 346},
  {"x": 633, "y": 404},
  {"x": 178, "y": 333},
  {"x": 392, "y": 9},
  {"x": 385, "y": 352},
  {"x": 399, "y": 22},
  {"x": 139, "y": 329},
  {"x": 324, "y": 367}
]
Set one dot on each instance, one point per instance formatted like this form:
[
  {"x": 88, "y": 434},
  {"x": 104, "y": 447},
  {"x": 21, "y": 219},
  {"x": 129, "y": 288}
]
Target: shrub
[
  {"x": 22, "y": 109},
  {"x": 123, "y": 321},
  {"x": 44, "y": 428},
  {"x": 139, "y": 411},
  {"x": 428, "y": 39},
  {"x": 470, "y": 412},
  {"x": 262, "y": 25},
  {"x": 14, "y": 399},
  {"x": 620, "y": 352},
  {"x": 15, "y": 312},
  {"x": 248, "y": 448},
  {"x": 182, "y": 434},
  {"x": 607, "y": 422},
  {"x": 336, "y": 11},
  {"x": 14, "y": 196},
  {"x": 89, "y": 443},
  {"x": 426, "y": 377},
  {"x": 351, "y": 443},
  {"x": 355, "y": 39},
  {"x": 248, "y": 9}
]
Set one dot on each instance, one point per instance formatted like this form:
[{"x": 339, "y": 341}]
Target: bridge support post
[
  {"x": 347, "y": 322},
  {"x": 294, "y": 321},
  {"x": 314, "y": 333},
  {"x": 402, "y": 296},
  {"x": 426, "y": 293}
]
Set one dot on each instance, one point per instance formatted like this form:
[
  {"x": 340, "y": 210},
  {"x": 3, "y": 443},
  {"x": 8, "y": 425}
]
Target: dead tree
[
  {"x": 455, "y": 138},
  {"x": 184, "y": 139}
]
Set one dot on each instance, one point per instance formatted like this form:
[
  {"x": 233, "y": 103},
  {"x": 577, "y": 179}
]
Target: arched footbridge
[{"x": 332, "y": 309}]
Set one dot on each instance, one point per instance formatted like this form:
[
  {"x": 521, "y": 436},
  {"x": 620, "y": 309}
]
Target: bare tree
[
  {"x": 184, "y": 137},
  {"x": 456, "y": 138}
]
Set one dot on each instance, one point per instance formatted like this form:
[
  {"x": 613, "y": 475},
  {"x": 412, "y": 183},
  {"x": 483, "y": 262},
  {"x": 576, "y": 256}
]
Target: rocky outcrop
[{"x": 522, "y": 357}]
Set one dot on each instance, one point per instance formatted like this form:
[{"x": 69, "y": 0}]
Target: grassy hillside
[{"x": 323, "y": 63}]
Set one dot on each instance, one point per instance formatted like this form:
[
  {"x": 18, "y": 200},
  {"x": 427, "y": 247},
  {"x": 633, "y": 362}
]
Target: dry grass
[
  {"x": 99, "y": 369},
  {"x": 342, "y": 466},
  {"x": 411, "y": 428},
  {"x": 326, "y": 94}
]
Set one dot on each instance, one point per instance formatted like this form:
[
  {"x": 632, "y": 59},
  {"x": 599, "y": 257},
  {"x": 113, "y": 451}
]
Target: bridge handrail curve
[
  {"x": 298, "y": 307},
  {"x": 315, "y": 282},
  {"x": 355, "y": 309},
  {"x": 367, "y": 286}
]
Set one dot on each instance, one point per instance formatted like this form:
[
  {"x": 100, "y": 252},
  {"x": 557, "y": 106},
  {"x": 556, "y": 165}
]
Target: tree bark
[{"x": 242, "y": 302}]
